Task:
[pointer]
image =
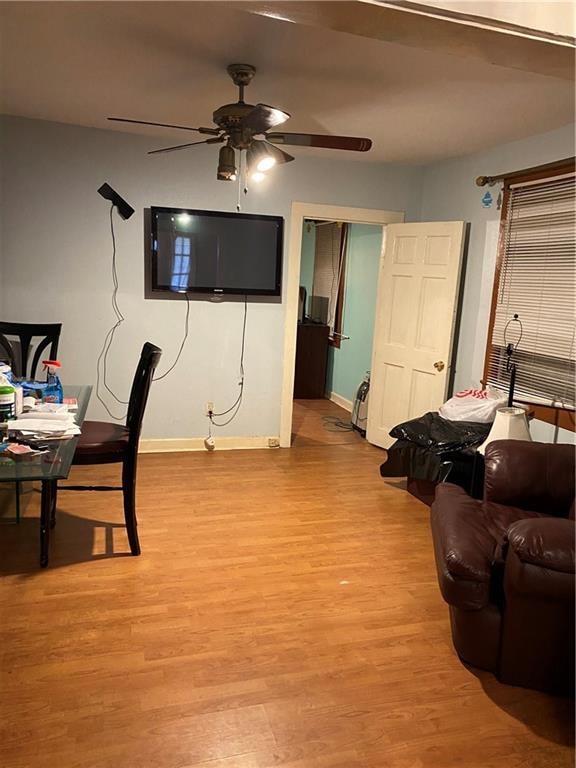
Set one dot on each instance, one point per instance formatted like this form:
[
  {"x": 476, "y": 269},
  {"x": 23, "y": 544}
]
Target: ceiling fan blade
[
  {"x": 210, "y": 131},
  {"x": 279, "y": 154},
  {"x": 215, "y": 140},
  {"x": 352, "y": 143},
  {"x": 264, "y": 117}
]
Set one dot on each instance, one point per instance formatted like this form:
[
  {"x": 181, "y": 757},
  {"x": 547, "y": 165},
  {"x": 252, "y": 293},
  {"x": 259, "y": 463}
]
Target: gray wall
[
  {"x": 449, "y": 192},
  {"x": 57, "y": 262},
  {"x": 55, "y": 257}
]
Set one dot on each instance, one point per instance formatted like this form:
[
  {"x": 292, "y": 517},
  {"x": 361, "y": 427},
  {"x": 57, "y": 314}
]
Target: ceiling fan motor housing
[{"x": 229, "y": 117}]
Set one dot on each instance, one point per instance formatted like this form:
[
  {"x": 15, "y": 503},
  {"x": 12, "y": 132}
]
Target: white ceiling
[
  {"x": 554, "y": 16},
  {"x": 77, "y": 62}
]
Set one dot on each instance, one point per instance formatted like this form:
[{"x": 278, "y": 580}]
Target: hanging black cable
[
  {"x": 175, "y": 363},
  {"x": 109, "y": 338},
  {"x": 334, "y": 424},
  {"x": 103, "y": 357},
  {"x": 235, "y": 407}
]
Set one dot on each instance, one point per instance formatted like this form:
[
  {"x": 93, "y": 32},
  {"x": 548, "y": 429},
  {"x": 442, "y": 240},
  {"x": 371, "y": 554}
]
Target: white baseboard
[
  {"x": 172, "y": 445},
  {"x": 341, "y": 401}
]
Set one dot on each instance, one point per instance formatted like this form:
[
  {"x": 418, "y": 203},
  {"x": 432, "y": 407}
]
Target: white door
[{"x": 414, "y": 328}]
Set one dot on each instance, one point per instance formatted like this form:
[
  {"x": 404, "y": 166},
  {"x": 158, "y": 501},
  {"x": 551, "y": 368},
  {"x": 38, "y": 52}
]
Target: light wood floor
[
  {"x": 284, "y": 612},
  {"x": 313, "y": 425}
]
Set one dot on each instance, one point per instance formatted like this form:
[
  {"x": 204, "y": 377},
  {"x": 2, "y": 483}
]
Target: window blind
[{"x": 537, "y": 282}]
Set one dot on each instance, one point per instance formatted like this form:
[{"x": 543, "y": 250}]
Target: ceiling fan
[{"x": 247, "y": 127}]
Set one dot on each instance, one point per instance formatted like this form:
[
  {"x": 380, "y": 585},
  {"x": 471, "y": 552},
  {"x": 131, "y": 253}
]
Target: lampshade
[{"x": 509, "y": 424}]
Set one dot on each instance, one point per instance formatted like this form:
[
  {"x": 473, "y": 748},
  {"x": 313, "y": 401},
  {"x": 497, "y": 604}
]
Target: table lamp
[{"x": 509, "y": 424}]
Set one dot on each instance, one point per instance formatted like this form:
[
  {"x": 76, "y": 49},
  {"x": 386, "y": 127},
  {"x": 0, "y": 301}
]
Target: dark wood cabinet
[{"x": 311, "y": 359}]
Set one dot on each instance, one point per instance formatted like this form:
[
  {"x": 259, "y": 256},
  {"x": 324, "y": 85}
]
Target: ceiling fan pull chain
[
  {"x": 241, "y": 182},
  {"x": 245, "y": 174}
]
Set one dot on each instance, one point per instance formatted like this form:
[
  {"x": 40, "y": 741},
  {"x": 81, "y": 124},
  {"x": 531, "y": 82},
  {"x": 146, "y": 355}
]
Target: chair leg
[{"x": 129, "y": 493}]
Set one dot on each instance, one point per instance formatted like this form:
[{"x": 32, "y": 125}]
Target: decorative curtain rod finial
[{"x": 481, "y": 181}]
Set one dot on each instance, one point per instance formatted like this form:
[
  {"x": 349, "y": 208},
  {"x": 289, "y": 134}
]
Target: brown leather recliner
[{"x": 506, "y": 565}]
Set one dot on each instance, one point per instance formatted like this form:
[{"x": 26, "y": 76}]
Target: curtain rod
[{"x": 481, "y": 181}]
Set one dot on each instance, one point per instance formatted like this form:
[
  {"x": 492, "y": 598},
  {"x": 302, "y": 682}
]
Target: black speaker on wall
[{"x": 108, "y": 193}]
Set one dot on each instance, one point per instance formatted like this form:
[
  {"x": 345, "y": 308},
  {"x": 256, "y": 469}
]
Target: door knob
[{"x": 439, "y": 365}]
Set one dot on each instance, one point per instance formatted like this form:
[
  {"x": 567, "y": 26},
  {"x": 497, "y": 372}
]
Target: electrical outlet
[{"x": 209, "y": 408}]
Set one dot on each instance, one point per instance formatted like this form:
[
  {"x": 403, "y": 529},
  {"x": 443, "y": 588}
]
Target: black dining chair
[
  {"x": 103, "y": 442},
  {"x": 22, "y": 345}
]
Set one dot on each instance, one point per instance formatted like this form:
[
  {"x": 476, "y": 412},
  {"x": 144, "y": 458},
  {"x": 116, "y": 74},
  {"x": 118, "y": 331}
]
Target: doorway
[
  {"x": 339, "y": 268},
  {"x": 301, "y": 213}
]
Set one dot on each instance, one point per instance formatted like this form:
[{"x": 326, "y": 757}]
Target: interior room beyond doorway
[{"x": 339, "y": 268}]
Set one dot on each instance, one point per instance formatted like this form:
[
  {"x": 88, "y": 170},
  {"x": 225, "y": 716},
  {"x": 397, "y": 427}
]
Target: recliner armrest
[
  {"x": 534, "y": 476},
  {"x": 544, "y": 542},
  {"x": 463, "y": 548}
]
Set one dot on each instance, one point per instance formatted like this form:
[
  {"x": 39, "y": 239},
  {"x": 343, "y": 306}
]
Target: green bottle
[{"x": 7, "y": 402}]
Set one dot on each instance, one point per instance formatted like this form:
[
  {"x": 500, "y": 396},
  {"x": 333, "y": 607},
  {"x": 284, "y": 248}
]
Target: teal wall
[
  {"x": 347, "y": 365},
  {"x": 307, "y": 259}
]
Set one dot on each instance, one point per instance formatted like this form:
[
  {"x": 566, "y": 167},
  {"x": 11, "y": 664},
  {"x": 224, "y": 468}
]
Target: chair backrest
[
  {"x": 15, "y": 345},
  {"x": 149, "y": 359}
]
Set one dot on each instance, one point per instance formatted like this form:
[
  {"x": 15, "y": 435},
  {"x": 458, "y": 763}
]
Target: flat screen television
[{"x": 214, "y": 252}]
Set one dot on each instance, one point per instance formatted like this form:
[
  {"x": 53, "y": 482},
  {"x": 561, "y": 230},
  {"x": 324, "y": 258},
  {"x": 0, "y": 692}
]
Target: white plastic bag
[{"x": 479, "y": 405}]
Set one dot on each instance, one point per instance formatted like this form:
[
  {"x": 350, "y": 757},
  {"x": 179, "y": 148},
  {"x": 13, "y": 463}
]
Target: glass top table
[
  {"x": 48, "y": 468},
  {"x": 54, "y": 465}
]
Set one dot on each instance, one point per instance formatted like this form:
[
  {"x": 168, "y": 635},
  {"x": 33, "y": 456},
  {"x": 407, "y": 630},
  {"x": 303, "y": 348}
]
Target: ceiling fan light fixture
[
  {"x": 226, "y": 164},
  {"x": 259, "y": 158},
  {"x": 257, "y": 176},
  {"x": 265, "y": 164}
]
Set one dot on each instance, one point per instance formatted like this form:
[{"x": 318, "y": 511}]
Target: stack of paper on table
[
  {"x": 56, "y": 424},
  {"x": 34, "y": 406},
  {"x": 36, "y": 415}
]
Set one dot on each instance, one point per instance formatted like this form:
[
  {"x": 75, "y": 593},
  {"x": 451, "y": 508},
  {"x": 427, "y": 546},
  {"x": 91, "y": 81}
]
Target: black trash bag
[
  {"x": 435, "y": 449},
  {"x": 405, "y": 459},
  {"x": 409, "y": 460},
  {"x": 439, "y": 435}
]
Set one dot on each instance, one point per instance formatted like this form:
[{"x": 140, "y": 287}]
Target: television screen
[{"x": 215, "y": 252}]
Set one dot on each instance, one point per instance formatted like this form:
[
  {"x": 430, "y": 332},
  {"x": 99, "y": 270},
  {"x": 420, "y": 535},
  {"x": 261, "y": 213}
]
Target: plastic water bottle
[
  {"x": 53, "y": 392},
  {"x": 18, "y": 398}
]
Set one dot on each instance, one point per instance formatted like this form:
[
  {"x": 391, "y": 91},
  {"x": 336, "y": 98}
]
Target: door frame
[{"x": 300, "y": 212}]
